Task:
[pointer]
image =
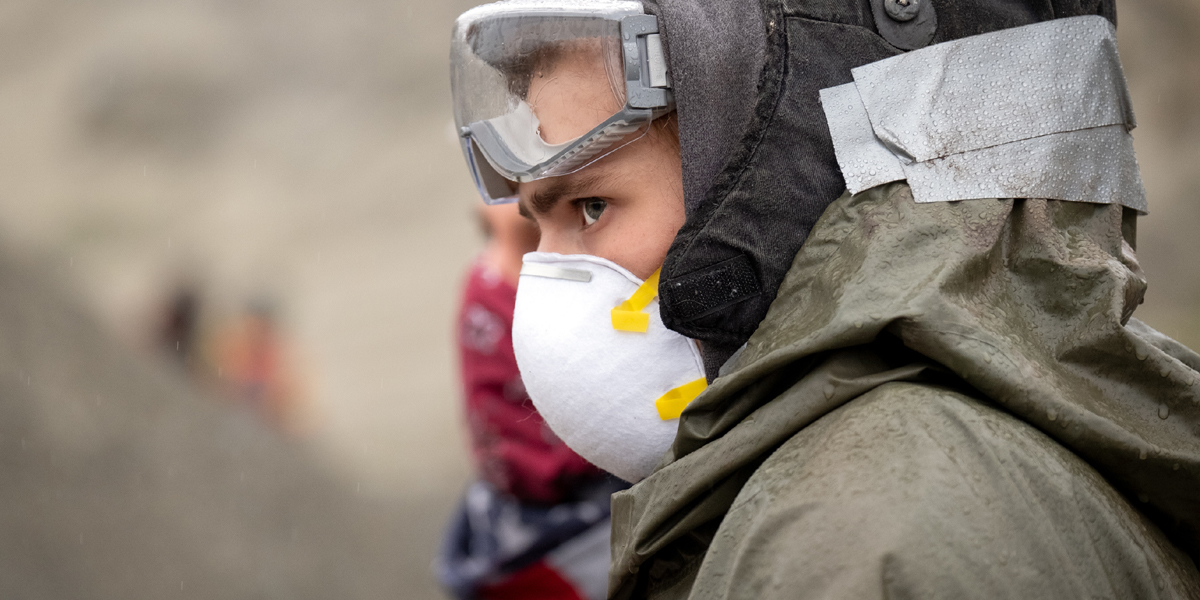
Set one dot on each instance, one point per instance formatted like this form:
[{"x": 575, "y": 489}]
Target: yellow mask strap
[
  {"x": 630, "y": 315},
  {"x": 672, "y": 403}
]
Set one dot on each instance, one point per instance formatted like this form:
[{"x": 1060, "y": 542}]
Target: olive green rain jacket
[{"x": 946, "y": 400}]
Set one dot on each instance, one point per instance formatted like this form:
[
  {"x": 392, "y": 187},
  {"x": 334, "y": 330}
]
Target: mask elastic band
[
  {"x": 629, "y": 315},
  {"x": 672, "y": 403}
]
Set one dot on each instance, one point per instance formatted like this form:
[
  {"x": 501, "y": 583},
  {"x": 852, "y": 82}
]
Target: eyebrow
[{"x": 545, "y": 199}]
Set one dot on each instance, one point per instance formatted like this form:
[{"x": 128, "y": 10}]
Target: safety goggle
[{"x": 543, "y": 89}]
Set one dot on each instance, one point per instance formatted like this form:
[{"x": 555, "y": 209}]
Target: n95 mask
[{"x": 609, "y": 379}]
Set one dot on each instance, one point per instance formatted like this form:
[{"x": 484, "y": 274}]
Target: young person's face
[{"x": 625, "y": 207}]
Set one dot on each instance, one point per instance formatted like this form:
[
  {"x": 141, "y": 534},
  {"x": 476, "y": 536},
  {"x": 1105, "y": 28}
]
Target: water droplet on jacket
[
  {"x": 1142, "y": 454},
  {"x": 829, "y": 389},
  {"x": 1052, "y": 415},
  {"x": 1164, "y": 411},
  {"x": 1141, "y": 354}
]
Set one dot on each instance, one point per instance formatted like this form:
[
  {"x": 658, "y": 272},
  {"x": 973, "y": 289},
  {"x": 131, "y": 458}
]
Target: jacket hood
[
  {"x": 1025, "y": 304},
  {"x": 758, "y": 163}
]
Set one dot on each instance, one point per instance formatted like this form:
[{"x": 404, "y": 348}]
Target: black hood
[{"x": 758, "y": 162}]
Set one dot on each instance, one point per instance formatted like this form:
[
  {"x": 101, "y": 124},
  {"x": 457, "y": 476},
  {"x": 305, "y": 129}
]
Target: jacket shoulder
[{"x": 913, "y": 490}]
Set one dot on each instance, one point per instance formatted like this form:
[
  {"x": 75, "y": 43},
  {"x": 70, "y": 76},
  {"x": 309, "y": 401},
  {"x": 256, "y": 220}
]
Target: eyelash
[{"x": 580, "y": 205}]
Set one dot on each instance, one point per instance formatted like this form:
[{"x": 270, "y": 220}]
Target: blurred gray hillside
[
  {"x": 294, "y": 150},
  {"x": 120, "y": 481}
]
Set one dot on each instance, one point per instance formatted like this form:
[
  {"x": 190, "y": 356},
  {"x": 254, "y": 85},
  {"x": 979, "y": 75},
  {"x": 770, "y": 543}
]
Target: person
[
  {"x": 176, "y": 332},
  {"x": 846, "y": 288},
  {"x": 536, "y": 523},
  {"x": 255, "y": 365}
]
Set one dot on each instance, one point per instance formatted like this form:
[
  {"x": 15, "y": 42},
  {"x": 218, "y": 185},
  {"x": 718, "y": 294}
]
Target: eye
[{"x": 592, "y": 208}]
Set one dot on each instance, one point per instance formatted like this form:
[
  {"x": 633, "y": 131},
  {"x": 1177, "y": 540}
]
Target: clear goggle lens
[{"x": 542, "y": 90}]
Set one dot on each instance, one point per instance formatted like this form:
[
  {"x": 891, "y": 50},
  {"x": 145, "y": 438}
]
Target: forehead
[{"x": 571, "y": 92}]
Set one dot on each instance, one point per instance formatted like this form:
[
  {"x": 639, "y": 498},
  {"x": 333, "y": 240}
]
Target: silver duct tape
[
  {"x": 996, "y": 88},
  {"x": 864, "y": 160},
  {"x": 1093, "y": 165},
  {"x": 1040, "y": 111},
  {"x": 555, "y": 272}
]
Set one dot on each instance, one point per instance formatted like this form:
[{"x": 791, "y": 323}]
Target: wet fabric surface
[
  {"x": 937, "y": 401},
  {"x": 750, "y": 205}
]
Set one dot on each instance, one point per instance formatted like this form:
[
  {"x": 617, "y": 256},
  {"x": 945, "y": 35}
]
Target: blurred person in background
[
  {"x": 177, "y": 332},
  {"x": 846, "y": 289},
  {"x": 246, "y": 358},
  {"x": 254, "y": 364},
  {"x": 536, "y": 523}
]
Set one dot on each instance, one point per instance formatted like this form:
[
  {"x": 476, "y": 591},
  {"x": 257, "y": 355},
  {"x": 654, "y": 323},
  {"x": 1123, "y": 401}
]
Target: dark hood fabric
[
  {"x": 758, "y": 163},
  {"x": 945, "y": 400}
]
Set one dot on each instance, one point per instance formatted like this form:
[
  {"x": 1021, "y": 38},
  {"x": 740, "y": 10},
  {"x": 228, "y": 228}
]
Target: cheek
[
  {"x": 650, "y": 245},
  {"x": 646, "y": 232}
]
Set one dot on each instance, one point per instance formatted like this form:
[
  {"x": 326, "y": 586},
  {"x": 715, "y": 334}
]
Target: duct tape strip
[{"x": 1039, "y": 111}]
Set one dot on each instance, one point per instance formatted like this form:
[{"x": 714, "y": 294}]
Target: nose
[{"x": 554, "y": 239}]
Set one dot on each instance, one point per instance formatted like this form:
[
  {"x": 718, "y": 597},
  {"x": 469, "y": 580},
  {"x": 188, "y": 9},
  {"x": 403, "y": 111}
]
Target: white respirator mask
[{"x": 604, "y": 372}]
